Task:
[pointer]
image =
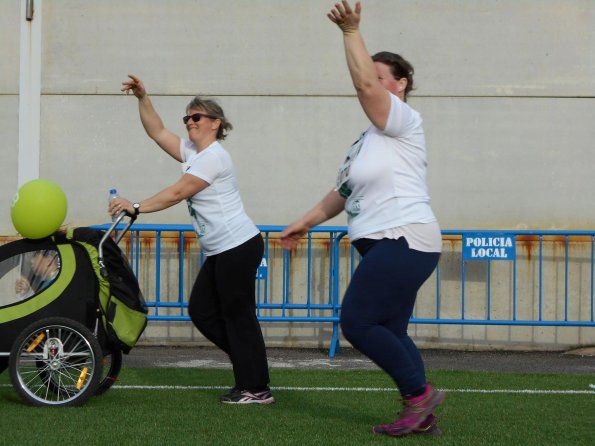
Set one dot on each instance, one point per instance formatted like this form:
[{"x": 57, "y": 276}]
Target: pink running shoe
[
  {"x": 428, "y": 427},
  {"x": 415, "y": 412}
]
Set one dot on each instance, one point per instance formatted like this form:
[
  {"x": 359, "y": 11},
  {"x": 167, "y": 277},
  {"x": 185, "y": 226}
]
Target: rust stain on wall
[
  {"x": 527, "y": 244},
  {"x": 452, "y": 243},
  {"x": 188, "y": 242},
  {"x": 326, "y": 244}
]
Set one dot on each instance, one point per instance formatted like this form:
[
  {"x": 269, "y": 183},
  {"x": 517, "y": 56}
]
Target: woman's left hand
[{"x": 118, "y": 205}]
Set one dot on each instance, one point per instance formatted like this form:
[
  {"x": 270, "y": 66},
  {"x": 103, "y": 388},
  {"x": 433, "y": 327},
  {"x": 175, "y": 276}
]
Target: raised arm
[
  {"x": 168, "y": 141},
  {"x": 373, "y": 96}
]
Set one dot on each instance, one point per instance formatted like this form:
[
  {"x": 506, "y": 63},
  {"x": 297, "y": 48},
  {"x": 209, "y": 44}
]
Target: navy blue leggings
[{"x": 378, "y": 304}]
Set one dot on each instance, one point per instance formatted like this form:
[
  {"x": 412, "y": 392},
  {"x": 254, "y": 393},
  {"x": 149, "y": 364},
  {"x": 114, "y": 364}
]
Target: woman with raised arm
[
  {"x": 222, "y": 301},
  {"x": 382, "y": 187}
]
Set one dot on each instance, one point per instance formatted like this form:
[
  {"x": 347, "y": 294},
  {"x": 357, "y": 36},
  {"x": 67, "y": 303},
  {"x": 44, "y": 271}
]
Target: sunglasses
[{"x": 196, "y": 117}]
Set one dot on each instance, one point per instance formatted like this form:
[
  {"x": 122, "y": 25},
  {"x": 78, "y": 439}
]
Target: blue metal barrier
[
  {"x": 278, "y": 303},
  {"x": 528, "y": 237},
  {"x": 330, "y": 260}
]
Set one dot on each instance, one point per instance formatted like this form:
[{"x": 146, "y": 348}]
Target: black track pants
[{"x": 222, "y": 306}]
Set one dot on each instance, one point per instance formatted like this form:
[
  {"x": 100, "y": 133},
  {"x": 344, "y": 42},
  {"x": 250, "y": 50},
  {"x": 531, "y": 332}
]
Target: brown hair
[
  {"x": 399, "y": 67},
  {"x": 212, "y": 108}
]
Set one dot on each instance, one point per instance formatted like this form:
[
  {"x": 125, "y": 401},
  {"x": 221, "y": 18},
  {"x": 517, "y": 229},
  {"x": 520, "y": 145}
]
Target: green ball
[{"x": 38, "y": 209}]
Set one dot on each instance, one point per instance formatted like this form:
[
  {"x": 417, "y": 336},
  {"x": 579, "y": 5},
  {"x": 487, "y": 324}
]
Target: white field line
[
  {"x": 365, "y": 389},
  {"x": 371, "y": 389}
]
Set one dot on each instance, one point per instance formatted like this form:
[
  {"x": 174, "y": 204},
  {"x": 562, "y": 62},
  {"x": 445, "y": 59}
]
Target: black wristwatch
[{"x": 136, "y": 207}]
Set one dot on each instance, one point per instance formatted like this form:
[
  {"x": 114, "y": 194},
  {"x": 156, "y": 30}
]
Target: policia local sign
[{"x": 488, "y": 246}]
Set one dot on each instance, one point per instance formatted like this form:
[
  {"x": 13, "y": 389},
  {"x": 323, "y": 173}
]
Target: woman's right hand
[
  {"x": 135, "y": 86},
  {"x": 330, "y": 206},
  {"x": 292, "y": 234}
]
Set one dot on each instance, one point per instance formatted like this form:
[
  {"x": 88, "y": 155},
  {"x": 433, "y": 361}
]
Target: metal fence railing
[{"x": 529, "y": 278}]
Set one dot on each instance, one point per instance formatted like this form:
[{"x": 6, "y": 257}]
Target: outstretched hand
[
  {"x": 292, "y": 234},
  {"x": 344, "y": 17},
  {"x": 135, "y": 86}
]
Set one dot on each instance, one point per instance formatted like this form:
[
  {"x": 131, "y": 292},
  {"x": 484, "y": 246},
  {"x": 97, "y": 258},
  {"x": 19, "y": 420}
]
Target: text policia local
[{"x": 492, "y": 247}]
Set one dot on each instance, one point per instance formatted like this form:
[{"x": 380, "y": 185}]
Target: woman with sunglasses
[
  {"x": 382, "y": 187},
  {"x": 222, "y": 302}
]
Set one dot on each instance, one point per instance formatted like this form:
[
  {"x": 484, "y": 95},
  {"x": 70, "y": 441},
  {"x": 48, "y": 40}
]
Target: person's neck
[{"x": 203, "y": 143}]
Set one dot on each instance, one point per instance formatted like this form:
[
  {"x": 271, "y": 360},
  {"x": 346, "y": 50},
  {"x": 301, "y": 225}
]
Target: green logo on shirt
[
  {"x": 353, "y": 207},
  {"x": 200, "y": 227}
]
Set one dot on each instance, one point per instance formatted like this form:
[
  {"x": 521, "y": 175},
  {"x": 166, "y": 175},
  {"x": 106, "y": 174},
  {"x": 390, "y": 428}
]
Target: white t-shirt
[
  {"x": 217, "y": 212},
  {"x": 384, "y": 181}
]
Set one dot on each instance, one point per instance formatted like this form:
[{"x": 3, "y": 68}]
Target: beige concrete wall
[
  {"x": 260, "y": 47},
  {"x": 483, "y": 172},
  {"x": 9, "y": 108},
  {"x": 9, "y": 137},
  {"x": 505, "y": 89},
  {"x": 9, "y": 38}
]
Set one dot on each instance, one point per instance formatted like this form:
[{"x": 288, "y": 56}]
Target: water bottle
[{"x": 113, "y": 193}]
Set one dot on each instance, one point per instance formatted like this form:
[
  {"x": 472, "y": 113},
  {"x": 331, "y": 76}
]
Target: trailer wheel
[{"x": 56, "y": 362}]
